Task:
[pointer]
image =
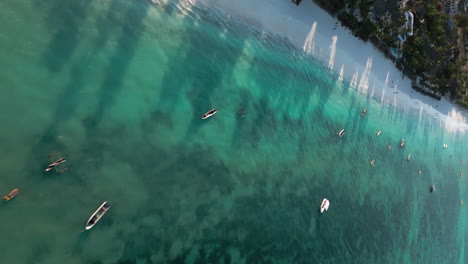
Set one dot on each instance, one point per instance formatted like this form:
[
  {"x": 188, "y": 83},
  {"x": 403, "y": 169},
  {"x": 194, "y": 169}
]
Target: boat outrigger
[
  {"x": 209, "y": 113},
  {"x": 55, "y": 164},
  {"x": 97, "y": 215},
  {"x": 11, "y": 194},
  {"x": 342, "y": 132},
  {"x": 324, "y": 206}
]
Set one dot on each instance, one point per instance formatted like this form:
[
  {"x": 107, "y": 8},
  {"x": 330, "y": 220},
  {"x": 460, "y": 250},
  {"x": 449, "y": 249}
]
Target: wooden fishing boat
[
  {"x": 55, "y": 164},
  {"x": 209, "y": 113},
  {"x": 96, "y": 216},
  {"x": 11, "y": 194}
]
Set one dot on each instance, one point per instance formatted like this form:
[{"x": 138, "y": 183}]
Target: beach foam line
[{"x": 314, "y": 31}]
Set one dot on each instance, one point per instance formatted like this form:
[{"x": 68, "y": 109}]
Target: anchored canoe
[{"x": 96, "y": 216}]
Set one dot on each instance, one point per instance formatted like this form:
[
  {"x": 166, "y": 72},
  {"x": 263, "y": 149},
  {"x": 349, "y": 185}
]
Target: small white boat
[
  {"x": 209, "y": 113},
  {"x": 409, "y": 157},
  {"x": 379, "y": 132},
  {"x": 324, "y": 206},
  {"x": 342, "y": 132},
  {"x": 402, "y": 144},
  {"x": 445, "y": 146},
  {"x": 97, "y": 215}
]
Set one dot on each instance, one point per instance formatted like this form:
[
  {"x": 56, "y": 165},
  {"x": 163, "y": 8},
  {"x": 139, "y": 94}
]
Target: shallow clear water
[{"x": 118, "y": 87}]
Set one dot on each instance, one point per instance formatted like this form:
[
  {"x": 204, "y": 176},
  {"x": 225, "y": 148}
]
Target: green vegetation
[
  {"x": 463, "y": 103},
  {"x": 415, "y": 56},
  {"x": 437, "y": 22},
  {"x": 462, "y": 20},
  {"x": 366, "y": 28},
  {"x": 388, "y": 36},
  {"x": 432, "y": 52}
]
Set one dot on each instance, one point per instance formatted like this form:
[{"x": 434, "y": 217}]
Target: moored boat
[
  {"x": 342, "y": 132},
  {"x": 11, "y": 194},
  {"x": 433, "y": 188},
  {"x": 324, "y": 206},
  {"x": 402, "y": 144},
  {"x": 379, "y": 132},
  {"x": 55, "y": 164},
  {"x": 209, "y": 113},
  {"x": 96, "y": 216},
  {"x": 363, "y": 112}
]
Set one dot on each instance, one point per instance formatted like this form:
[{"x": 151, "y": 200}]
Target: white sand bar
[{"x": 312, "y": 29}]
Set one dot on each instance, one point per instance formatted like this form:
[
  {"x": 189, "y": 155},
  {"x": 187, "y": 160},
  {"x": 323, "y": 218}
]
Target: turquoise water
[{"x": 118, "y": 87}]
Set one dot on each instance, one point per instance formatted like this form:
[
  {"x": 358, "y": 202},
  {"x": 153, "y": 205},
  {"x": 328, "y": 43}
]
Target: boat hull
[
  {"x": 209, "y": 114},
  {"x": 342, "y": 133},
  {"x": 324, "y": 206},
  {"x": 11, "y": 195},
  {"x": 97, "y": 215}
]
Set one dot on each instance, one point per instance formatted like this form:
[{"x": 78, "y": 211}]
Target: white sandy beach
[{"x": 315, "y": 31}]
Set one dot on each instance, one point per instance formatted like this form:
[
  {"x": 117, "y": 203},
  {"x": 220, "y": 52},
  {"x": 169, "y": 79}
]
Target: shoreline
[
  {"x": 384, "y": 49},
  {"x": 312, "y": 29}
]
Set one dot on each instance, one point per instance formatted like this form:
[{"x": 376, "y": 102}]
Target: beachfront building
[
  {"x": 407, "y": 30},
  {"x": 408, "y": 26},
  {"x": 398, "y": 51},
  {"x": 451, "y": 8},
  {"x": 452, "y": 5}
]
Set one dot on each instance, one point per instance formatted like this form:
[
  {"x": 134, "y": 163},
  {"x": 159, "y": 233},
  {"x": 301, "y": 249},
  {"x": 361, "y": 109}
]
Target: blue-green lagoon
[{"x": 119, "y": 87}]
